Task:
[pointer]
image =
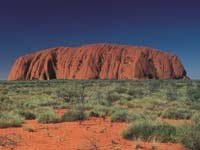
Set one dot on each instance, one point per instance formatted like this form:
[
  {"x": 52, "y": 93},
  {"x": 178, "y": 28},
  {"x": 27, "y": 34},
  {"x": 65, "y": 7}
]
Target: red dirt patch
[
  {"x": 9, "y": 141},
  {"x": 88, "y": 135}
]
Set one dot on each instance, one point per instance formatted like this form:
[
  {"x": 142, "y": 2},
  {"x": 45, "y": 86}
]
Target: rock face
[{"x": 98, "y": 61}]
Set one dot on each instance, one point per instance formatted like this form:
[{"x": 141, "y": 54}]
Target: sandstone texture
[{"x": 98, "y": 61}]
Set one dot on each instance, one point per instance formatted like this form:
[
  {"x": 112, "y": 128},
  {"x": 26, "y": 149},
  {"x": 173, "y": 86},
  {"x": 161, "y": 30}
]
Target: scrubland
[{"x": 165, "y": 111}]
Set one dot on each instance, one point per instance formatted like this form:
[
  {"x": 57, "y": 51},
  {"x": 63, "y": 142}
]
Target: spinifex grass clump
[
  {"x": 148, "y": 130},
  {"x": 99, "y": 111},
  {"x": 76, "y": 114},
  {"x": 10, "y": 120},
  {"x": 48, "y": 116},
  {"x": 118, "y": 115},
  {"x": 177, "y": 113},
  {"x": 27, "y": 114},
  {"x": 189, "y": 134},
  {"x": 193, "y": 93},
  {"x": 135, "y": 116}
]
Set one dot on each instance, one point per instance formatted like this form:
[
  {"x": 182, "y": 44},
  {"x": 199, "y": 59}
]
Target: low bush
[
  {"x": 27, "y": 114},
  {"x": 120, "y": 90},
  {"x": 68, "y": 95},
  {"x": 112, "y": 97},
  {"x": 134, "y": 116},
  {"x": 193, "y": 94},
  {"x": 99, "y": 111},
  {"x": 153, "y": 86},
  {"x": 47, "y": 117},
  {"x": 10, "y": 120},
  {"x": 177, "y": 113},
  {"x": 134, "y": 105},
  {"x": 50, "y": 102},
  {"x": 189, "y": 134},
  {"x": 120, "y": 115},
  {"x": 30, "y": 104},
  {"x": 74, "y": 115},
  {"x": 123, "y": 102},
  {"x": 171, "y": 92},
  {"x": 136, "y": 93},
  {"x": 149, "y": 130}
]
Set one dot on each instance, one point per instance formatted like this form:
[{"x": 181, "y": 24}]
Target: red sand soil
[{"x": 95, "y": 132}]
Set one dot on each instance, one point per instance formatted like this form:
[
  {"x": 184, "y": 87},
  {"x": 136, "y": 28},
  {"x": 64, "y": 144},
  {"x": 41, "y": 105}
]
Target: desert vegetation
[
  {"x": 147, "y": 106},
  {"x": 148, "y": 130}
]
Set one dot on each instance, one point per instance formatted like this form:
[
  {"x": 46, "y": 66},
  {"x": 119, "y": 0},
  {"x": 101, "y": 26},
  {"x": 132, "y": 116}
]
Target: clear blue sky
[{"x": 170, "y": 25}]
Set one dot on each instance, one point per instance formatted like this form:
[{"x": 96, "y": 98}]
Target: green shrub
[
  {"x": 27, "y": 114},
  {"x": 136, "y": 93},
  {"x": 29, "y": 104},
  {"x": 134, "y": 116},
  {"x": 189, "y": 134},
  {"x": 47, "y": 117},
  {"x": 134, "y": 105},
  {"x": 112, "y": 97},
  {"x": 10, "y": 120},
  {"x": 120, "y": 90},
  {"x": 153, "y": 86},
  {"x": 194, "y": 106},
  {"x": 119, "y": 115},
  {"x": 177, "y": 113},
  {"x": 74, "y": 115},
  {"x": 5, "y": 99},
  {"x": 193, "y": 94},
  {"x": 50, "y": 102},
  {"x": 123, "y": 102},
  {"x": 196, "y": 119},
  {"x": 99, "y": 111},
  {"x": 7, "y": 104},
  {"x": 149, "y": 130},
  {"x": 68, "y": 95},
  {"x": 171, "y": 92}
]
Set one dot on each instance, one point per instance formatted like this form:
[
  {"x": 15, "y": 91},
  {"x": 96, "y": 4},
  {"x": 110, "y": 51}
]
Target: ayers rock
[{"x": 98, "y": 61}]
